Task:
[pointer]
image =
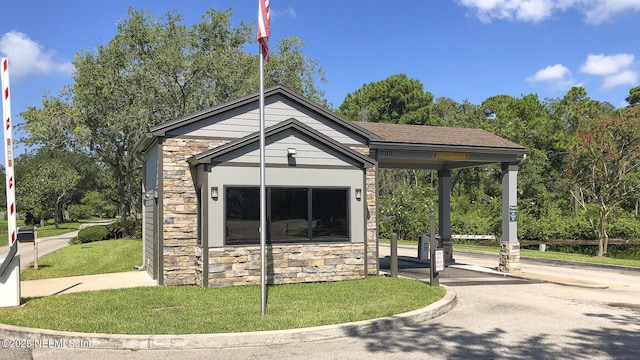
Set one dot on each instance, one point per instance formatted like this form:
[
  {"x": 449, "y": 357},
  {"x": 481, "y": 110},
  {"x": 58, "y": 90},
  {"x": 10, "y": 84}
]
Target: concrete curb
[{"x": 65, "y": 339}]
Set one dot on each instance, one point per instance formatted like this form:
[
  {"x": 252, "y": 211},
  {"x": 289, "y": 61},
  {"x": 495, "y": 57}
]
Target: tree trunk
[
  {"x": 122, "y": 204},
  {"x": 56, "y": 216},
  {"x": 576, "y": 204},
  {"x": 602, "y": 231}
]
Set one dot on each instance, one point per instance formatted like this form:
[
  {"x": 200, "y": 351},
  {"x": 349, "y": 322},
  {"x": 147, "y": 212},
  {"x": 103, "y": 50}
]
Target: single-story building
[{"x": 201, "y": 194}]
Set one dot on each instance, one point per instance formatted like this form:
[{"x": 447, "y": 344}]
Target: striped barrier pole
[{"x": 9, "y": 170}]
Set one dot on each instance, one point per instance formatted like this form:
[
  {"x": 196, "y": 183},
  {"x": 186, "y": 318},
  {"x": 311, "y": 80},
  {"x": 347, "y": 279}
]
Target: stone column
[
  {"x": 371, "y": 239},
  {"x": 509, "y": 246},
  {"x": 444, "y": 214}
]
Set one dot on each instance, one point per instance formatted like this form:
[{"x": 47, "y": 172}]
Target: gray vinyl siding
[
  {"x": 151, "y": 168},
  {"x": 308, "y": 152},
  {"x": 149, "y": 203},
  {"x": 244, "y": 120},
  {"x": 150, "y": 182}
]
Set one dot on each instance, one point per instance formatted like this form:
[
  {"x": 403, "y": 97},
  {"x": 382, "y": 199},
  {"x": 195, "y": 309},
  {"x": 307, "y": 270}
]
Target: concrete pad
[{"x": 47, "y": 287}]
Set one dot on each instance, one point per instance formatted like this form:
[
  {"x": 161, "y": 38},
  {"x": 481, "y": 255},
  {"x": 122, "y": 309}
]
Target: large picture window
[{"x": 294, "y": 215}]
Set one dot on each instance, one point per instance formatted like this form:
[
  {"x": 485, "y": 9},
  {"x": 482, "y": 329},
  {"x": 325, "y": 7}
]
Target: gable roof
[
  {"x": 424, "y": 136},
  {"x": 162, "y": 129},
  {"x": 207, "y": 156}
]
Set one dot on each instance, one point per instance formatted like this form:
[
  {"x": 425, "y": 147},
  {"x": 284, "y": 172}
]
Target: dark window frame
[{"x": 310, "y": 238}]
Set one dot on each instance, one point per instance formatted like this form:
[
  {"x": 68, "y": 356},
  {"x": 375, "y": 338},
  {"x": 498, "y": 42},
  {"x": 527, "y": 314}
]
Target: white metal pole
[{"x": 263, "y": 195}]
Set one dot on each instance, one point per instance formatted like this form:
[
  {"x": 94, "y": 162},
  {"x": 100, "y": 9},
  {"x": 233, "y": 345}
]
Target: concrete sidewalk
[{"x": 47, "y": 287}]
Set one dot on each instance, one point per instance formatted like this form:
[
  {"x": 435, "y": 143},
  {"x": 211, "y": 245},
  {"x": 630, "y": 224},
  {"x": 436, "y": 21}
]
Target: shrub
[
  {"x": 579, "y": 228},
  {"x": 78, "y": 212},
  {"x": 625, "y": 226},
  {"x": 134, "y": 229},
  {"x": 93, "y": 233}
]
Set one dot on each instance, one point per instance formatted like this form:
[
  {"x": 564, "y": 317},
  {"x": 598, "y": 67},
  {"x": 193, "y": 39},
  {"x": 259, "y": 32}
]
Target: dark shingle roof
[{"x": 436, "y": 135}]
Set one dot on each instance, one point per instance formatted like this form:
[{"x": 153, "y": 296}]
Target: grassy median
[{"x": 194, "y": 310}]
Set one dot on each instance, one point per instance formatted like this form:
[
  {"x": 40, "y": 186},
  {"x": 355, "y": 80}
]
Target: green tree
[
  {"x": 634, "y": 96},
  {"x": 152, "y": 71},
  {"x": 290, "y": 67},
  {"x": 605, "y": 165},
  {"x": 397, "y": 99},
  {"x": 54, "y": 124},
  {"x": 100, "y": 203},
  {"x": 576, "y": 107},
  {"x": 448, "y": 112},
  {"x": 45, "y": 184},
  {"x": 410, "y": 205}
]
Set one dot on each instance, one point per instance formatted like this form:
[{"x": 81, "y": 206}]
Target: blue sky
[{"x": 460, "y": 49}]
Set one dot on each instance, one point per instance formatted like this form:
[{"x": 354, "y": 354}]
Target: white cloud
[
  {"x": 551, "y": 73},
  {"x": 289, "y": 12},
  {"x": 598, "y": 11},
  {"x": 555, "y": 77},
  {"x": 600, "y": 64},
  {"x": 615, "y": 70},
  {"x": 521, "y": 10},
  {"x": 534, "y": 11},
  {"x": 27, "y": 57},
  {"x": 627, "y": 77}
]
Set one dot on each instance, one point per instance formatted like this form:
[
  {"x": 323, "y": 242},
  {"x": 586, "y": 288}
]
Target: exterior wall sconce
[
  {"x": 155, "y": 194},
  {"x": 291, "y": 152},
  {"x": 214, "y": 193},
  {"x": 358, "y": 194}
]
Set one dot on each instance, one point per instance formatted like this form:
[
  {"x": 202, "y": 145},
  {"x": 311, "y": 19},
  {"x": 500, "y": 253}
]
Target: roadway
[{"x": 497, "y": 317}]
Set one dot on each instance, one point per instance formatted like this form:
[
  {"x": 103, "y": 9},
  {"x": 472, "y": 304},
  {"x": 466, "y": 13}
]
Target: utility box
[{"x": 423, "y": 247}]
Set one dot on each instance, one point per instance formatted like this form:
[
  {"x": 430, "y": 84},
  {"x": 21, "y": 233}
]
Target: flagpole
[
  {"x": 263, "y": 194},
  {"x": 263, "y": 38}
]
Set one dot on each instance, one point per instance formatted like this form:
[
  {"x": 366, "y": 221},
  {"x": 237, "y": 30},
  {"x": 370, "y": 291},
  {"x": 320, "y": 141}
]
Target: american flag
[{"x": 264, "y": 20}]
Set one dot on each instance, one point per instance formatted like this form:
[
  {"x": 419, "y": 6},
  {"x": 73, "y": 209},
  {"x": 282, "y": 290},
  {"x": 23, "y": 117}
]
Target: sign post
[{"x": 433, "y": 258}]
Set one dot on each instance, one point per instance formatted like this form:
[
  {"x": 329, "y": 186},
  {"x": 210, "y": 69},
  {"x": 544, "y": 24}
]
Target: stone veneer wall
[
  {"x": 372, "y": 220},
  {"x": 241, "y": 265},
  {"x": 371, "y": 198},
  {"x": 180, "y": 209},
  {"x": 286, "y": 264}
]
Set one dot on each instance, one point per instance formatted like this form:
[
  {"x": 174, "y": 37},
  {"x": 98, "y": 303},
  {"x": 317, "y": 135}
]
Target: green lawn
[
  {"x": 100, "y": 257},
  {"x": 555, "y": 255},
  {"x": 194, "y": 310},
  {"x": 49, "y": 229},
  {"x": 537, "y": 254},
  {"x": 3, "y": 230}
]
